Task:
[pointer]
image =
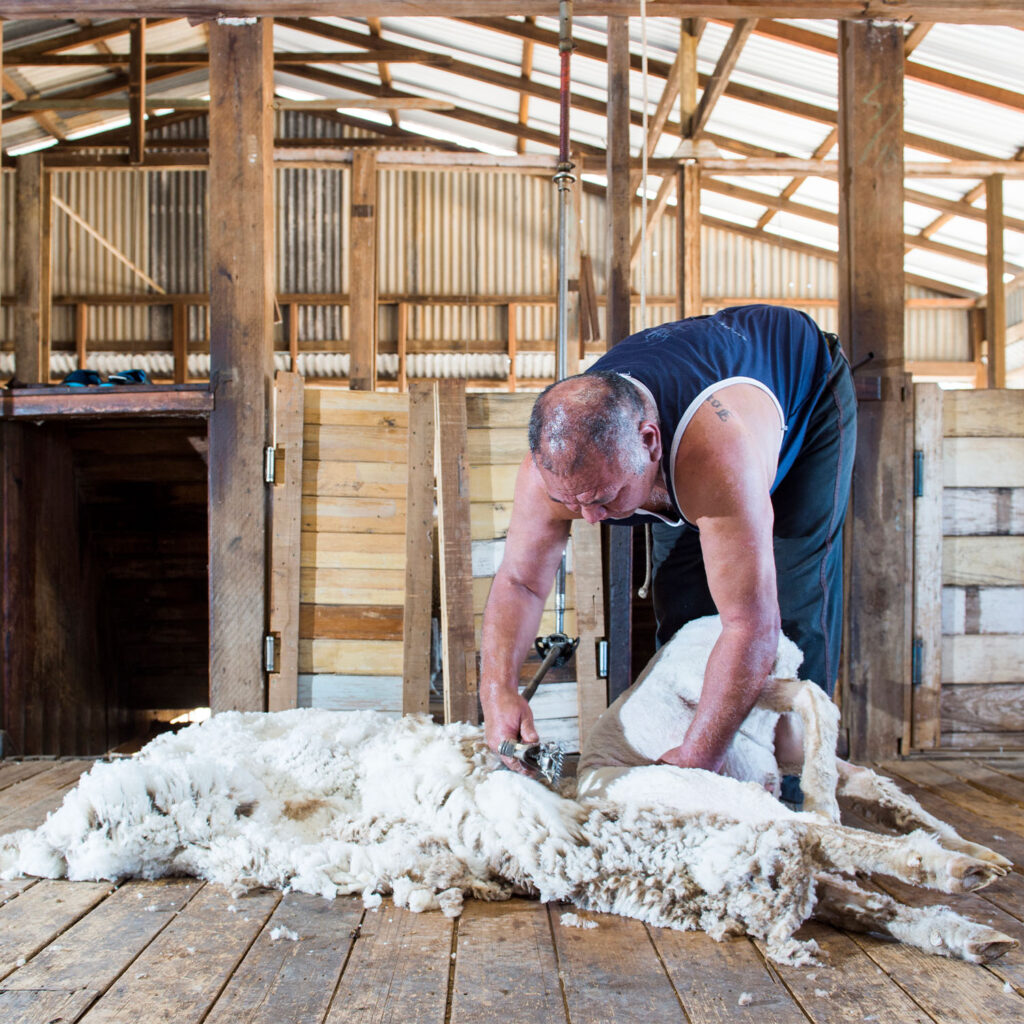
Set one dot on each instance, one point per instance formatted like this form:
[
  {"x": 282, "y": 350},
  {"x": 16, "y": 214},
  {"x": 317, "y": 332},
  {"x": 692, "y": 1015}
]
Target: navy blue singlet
[{"x": 681, "y": 364}]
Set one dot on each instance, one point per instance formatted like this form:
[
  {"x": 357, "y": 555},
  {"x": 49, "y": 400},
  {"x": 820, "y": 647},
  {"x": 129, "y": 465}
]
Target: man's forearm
[
  {"x": 734, "y": 677},
  {"x": 511, "y": 618}
]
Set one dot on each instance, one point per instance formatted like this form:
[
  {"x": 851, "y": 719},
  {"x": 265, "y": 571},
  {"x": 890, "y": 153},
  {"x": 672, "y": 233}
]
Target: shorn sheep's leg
[
  {"x": 879, "y": 799},
  {"x": 819, "y": 718},
  {"x": 940, "y": 930},
  {"x": 916, "y": 858}
]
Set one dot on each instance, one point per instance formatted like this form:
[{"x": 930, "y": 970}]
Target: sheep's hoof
[
  {"x": 979, "y": 852},
  {"x": 968, "y": 874},
  {"x": 988, "y": 945}
]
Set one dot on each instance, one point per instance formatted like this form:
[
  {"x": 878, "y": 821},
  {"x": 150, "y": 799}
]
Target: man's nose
[{"x": 594, "y": 513}]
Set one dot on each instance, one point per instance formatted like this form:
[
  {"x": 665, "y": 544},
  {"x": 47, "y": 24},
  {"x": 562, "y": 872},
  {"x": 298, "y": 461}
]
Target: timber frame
[{"x": 242, "y": 153}]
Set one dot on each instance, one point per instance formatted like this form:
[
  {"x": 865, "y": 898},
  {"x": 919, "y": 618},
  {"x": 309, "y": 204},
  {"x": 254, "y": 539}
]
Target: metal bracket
[
  {"x": 602, "y": 659},
  {"x": 917, "y": 662},
  {"x": 269, "y": 653},
  {"x": 918, "y": 473},
  {"x": 269, "y": 459}
]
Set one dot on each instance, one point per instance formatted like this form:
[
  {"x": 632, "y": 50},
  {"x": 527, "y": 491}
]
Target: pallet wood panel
[
  {"x": 341, "y": 622},
  {"x": 352, "y": 551},
  {"x": 983, "y": 462},
  {"x": 999, "y": 413},
  {"x": 371, "y": 657},
  {"x": 982, "y": 659},
  {"x": 987, "y": 708},
  {"x": 334, "y": 692},
  {"x": 976, "y": 511},
  {"x": 983, "y": 569},
  {"x": 983, "y": 561}
]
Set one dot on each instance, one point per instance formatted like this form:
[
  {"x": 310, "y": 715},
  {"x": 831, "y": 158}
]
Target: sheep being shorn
[
  {"x": 357, "y": 802},
  {"x": 618, "y": 764}
]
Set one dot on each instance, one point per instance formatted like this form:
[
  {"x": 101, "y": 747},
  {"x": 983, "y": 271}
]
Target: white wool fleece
[{"x": 357, "y": 802}]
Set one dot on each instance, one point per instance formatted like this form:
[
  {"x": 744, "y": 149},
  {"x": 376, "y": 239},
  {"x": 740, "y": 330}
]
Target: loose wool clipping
[{"x": 360, "y": 803}]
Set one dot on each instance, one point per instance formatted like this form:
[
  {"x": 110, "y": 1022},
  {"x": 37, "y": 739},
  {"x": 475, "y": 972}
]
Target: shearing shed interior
[{"x": 280, "y": 285}]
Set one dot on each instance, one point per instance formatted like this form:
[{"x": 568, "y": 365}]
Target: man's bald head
[{"x": 591, "y": 412}]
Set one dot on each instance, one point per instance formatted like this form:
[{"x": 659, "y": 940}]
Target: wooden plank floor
[{"x": 184, "y": 951}]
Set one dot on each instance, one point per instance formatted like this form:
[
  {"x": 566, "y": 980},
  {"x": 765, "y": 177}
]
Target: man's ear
[{"x": 650, "y": 435}]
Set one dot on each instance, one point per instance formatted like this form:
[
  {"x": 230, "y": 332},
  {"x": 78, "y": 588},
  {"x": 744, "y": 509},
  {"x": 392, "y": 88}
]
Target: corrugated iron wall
[{"x": 443, "y": 235}]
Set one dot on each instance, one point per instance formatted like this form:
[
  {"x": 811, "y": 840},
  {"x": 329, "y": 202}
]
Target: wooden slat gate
[{"x": 968, "y": 688}]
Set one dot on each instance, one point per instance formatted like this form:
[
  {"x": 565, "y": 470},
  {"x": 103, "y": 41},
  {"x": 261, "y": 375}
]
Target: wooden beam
[
  {"x": 716, "y": 85},
  {"x": 995, "y": 310},
  {"x": 458, "y": 638},
  {"x": 32, "y": 270},
  {"x": 373, "y": 24},
  {"x": 81, "y": 334},
  {"x": 619, "y": 564},
  {"x": 241, "y": 262},
  {"x": 419, "y": 550},
  {"x": 526, "y": 73},
  {"x": 286, "y": 541},
  {"x": 137, "y": 92},
  {"x": 362, "y": 315},
  {"x": 688, "y": 240},
  {"x": 877, "y": 683},
  {"x": 981, "y": 12}
]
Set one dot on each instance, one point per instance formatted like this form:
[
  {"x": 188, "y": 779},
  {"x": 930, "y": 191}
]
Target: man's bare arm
[
  {"x": 733, "y": 458},
  {"x": 537, "y": 535}
]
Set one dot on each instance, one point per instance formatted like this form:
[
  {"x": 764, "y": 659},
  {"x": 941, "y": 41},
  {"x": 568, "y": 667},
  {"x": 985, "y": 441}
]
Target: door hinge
[
  {"x": 270, "y": 653},
  {"x": 918, "y": 473},
  {"x": 917, "y": 662},
  {"x": 269, "y": 462},
  {"x": 602, "y": 659}
]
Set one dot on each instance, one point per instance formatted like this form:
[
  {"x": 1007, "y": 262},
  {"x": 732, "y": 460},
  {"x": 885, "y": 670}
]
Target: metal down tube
[{"x": 564, "y": 179}]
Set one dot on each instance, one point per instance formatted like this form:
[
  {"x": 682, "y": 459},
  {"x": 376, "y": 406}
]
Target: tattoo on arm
[{"x": 720, "y": 410}]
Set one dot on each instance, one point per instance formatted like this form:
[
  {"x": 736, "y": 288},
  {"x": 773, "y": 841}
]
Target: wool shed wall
[{"x": 457, "y": 245}]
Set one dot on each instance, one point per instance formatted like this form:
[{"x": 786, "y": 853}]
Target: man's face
[{"x": 602, "y": 489}]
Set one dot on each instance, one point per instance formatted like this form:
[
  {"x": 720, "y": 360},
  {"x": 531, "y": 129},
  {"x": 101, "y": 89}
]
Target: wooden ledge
[{"x": 128, "y": 400}]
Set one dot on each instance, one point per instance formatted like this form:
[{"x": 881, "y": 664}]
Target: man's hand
[{"x": 508, "y": 717}]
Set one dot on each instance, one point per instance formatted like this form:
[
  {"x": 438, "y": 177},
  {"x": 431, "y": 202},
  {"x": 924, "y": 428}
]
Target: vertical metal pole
[{"x": 564, "y": 179}]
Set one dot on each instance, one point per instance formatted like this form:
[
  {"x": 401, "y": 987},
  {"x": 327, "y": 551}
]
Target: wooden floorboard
[{"x": 183, "y": 951}]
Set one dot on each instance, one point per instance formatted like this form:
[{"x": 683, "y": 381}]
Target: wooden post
[
  {"x": 286, "y": 541},
  {"x": 81, "y": 332},
  {"x": 976, "y": 335},
  {"x": 137, "y": 92},
  {"x": 513, "y": 342},
  {"x": 419, "y": 550},
  {"x": 458, "y": 637},
  {"x": 688, "y": 191},
  {"x": 871, "y": 317},
  {"x": 995, "y": 311},
  {"x": 403, "y": 346},
  {"x": 927, "y": 682},
  {"x": 293, "y": 336},
  {"x": 619, "y": 572},
  {"x": 179, "y": 341},
  {"x": 33, "y": 260},
  {"x": 362, "y": 274},
  {"x": 241, "y": 350}
]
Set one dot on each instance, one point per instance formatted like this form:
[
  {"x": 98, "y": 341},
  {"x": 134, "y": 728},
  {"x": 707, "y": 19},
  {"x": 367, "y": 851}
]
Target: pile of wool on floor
[{"x": 356, "y": 802}]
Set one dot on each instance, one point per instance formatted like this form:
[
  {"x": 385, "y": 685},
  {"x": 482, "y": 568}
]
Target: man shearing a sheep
[{"x": 733, "y": 435}]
